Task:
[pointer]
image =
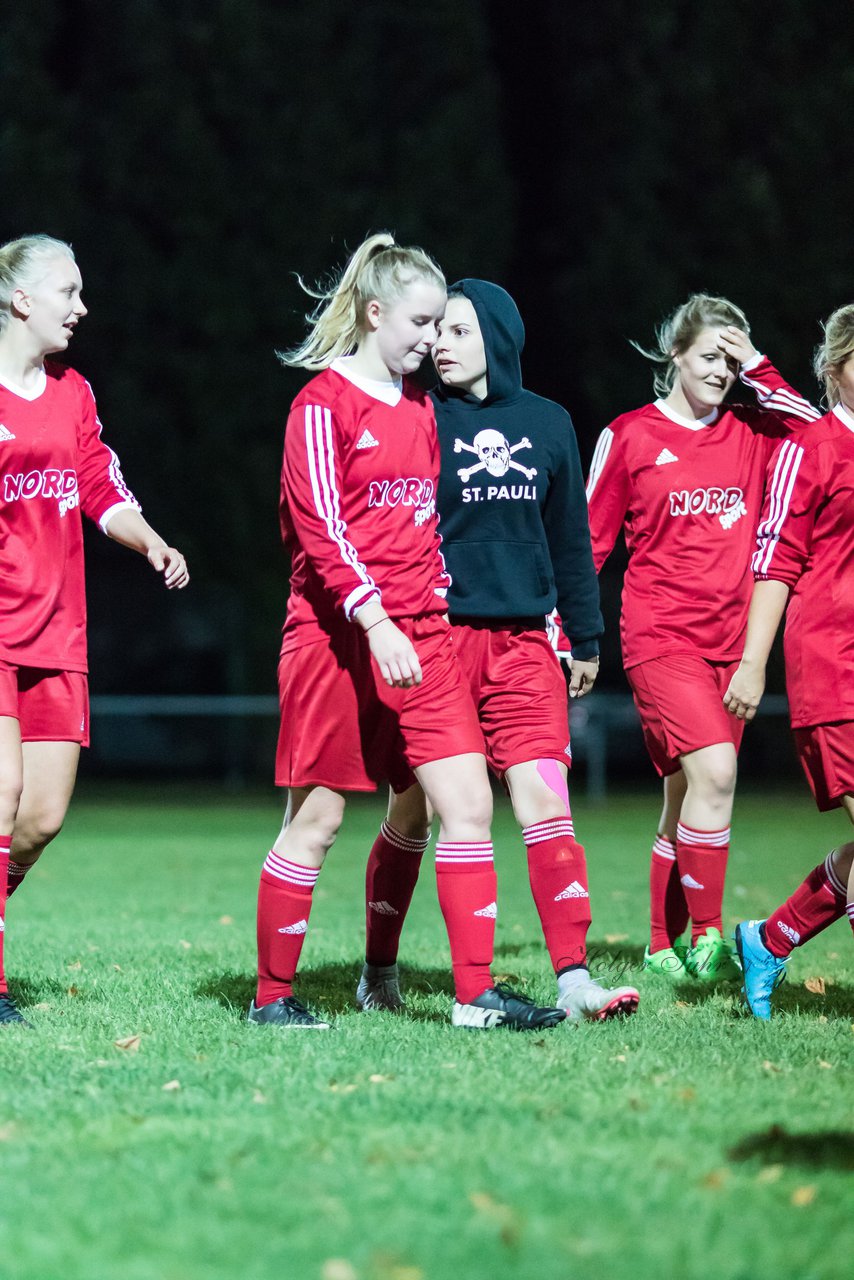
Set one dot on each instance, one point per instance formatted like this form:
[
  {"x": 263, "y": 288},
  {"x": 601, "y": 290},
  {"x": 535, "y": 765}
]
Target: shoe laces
[{"x": 507, "y": 992}]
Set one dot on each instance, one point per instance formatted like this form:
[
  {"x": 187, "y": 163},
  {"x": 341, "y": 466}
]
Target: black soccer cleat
[
  {"x": 9, "y": 1012},
  {"x": 285, "y": 1012},
  {"x": 501, "y": 1007}
]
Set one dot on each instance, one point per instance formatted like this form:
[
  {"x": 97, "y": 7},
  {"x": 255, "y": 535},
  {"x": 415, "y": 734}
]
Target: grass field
[{"x": 147, "y": 1133}]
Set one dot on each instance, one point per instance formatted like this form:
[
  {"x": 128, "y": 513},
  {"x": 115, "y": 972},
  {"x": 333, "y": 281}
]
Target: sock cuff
[
  {"x": 290, "y": 872},
  {"x": 452, "y": 853},
  {"x": 551, "y": 829},
  {"x": 833, "y": 880},
  {"x": 710, "y": 839},
  {"x": 849, "y": 911},
  {"x": 664, "y": 847},
  {"x": 407, "y": 844}
]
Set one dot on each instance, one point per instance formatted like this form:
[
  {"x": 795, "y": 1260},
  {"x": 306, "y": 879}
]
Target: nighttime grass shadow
[
  {"x": 837, "y": 1001},
  {"x": 330, "y": 987},
  {"x": 27, "y": 992},
  {"x": 828, "y": 1149}
]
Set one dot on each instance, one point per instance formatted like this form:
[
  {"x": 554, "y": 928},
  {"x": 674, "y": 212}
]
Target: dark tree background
[{"x": 600, "y": 161}]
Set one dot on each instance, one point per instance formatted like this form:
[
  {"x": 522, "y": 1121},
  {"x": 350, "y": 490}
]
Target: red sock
[
  {"x": 668, "y": 910},
  {"x": 389, "y": 884},
  {"x": 284, "y": 906},
  {"x": 465, "y": 876},
  {"x": 849, "y": 910},
  {"x": 702, "y": 857},
  {"x": 5, "y": 849},
  {"x": 815, "y": 904},
  {"x": 557, "y": 870},
  {"x": 14, "y": 877}
]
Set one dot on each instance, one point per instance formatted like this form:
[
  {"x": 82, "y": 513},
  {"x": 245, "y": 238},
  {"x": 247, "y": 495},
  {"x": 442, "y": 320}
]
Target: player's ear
[
  {"x": 21, "y": 302},
  {"x": 373, "y": 314}
]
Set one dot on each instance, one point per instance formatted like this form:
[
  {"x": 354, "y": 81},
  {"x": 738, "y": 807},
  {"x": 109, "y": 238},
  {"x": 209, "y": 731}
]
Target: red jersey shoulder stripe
[{"x": 779, "y": 499}]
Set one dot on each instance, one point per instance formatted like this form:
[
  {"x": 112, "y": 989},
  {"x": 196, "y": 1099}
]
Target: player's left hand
[
  {"x": 582, "y": 676},
  {"x": 736, "y": 344},
  {"x": 173, "y": 566},
  {"x": 745, "y": 691}
]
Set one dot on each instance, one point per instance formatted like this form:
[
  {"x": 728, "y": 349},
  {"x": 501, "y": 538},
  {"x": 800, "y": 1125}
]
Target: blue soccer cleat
[{"x": 763, "y": 971}]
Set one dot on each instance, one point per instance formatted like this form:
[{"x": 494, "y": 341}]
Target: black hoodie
[{"x": 513, "y": 512}]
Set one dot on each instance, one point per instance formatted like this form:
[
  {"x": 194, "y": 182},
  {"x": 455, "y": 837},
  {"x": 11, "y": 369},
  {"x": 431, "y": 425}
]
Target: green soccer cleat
[
  {"x": 669, "y": 962},
  {"x": 711, "y": 959}
]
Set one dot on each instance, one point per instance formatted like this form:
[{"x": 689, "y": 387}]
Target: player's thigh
[
  {"x": 11, "y": 771},
  {"x": 538, "y": 790},
  {"x": 458, "y": 790},
  {"x": 50, "y": 772}
]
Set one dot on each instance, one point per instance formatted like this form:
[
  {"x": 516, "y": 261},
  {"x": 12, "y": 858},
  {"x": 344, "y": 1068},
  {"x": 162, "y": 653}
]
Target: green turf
[{"x": 687, "y": 1142}]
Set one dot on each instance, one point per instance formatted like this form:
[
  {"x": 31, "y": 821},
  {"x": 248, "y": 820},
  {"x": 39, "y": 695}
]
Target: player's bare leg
[
  {"x": 312, "y": 821},
  {"x": 557, "y": 869},
  {"x": 702, "y": 848},
  {"x": 49, "y": 775},
  {"x": 11, "y": 781},
  {"x": 390, "y": 879},
  {"x": 668, "y": 909}
]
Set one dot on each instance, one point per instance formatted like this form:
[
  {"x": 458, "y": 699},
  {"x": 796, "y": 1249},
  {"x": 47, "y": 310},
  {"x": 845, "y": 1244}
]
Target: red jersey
[
  {"x": 53, "y": 462},
  {"x": 806, "y": 539},
  {"x": 688, "y": 494},
  {"x": 358, "y": 506}
]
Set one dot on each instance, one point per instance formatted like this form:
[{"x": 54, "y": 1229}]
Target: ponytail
[{"x": 379, "y": 269}]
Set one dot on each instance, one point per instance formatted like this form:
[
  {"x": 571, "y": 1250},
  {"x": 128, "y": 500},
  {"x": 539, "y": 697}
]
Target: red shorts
[
  {"x": 343, "y": 727},
  {"x": 519, "y": 690},
  {"x": 680, "y": 703},
  {"x": 826, "y": 753},
  {"x": 50, "y": 706}
]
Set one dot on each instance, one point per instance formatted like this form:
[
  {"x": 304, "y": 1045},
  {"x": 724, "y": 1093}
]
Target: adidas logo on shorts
[
  {"x": 490, "y": 912},
  {"x": 690, "y": 883},
  {"x": 383, "y": 908},
  {"x": 574, "y": 890},
  {"x": 792, "y": 934},
  {"x": 299, "y": 927}
]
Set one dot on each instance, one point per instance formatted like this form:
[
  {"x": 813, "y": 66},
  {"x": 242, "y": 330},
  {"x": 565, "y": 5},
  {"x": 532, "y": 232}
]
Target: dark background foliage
[{"x": 600, "y": 161}]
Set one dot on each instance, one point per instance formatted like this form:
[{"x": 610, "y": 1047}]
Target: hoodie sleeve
[{"x": 568, "y": 534}]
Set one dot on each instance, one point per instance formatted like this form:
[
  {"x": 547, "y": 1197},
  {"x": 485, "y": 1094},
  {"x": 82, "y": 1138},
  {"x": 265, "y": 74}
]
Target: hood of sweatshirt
[{"x": 503, "y": 339}]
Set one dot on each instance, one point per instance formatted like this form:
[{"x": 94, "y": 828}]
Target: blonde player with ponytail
[{"x": 369, "y": 686}]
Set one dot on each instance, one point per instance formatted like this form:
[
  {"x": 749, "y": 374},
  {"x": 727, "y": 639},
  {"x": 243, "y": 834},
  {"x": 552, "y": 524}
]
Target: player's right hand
[
  {"x": 394, "y": 654},
  {"x": 745, "y": 691}
]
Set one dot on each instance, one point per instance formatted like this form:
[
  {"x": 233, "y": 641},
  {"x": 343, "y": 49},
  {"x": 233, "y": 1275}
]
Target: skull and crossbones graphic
[{"x": 494, "y": 452}]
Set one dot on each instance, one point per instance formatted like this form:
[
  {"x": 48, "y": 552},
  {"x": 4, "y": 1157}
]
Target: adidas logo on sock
[
  {"x": 383, "y": 908},
  {"x": 490, "y": 912},
  {"x": 690, "y": 883},
  {"x": 367, "y": 441},
  {"x": 790, "y": 933},
  {"x": 299, "y": 927},
  {"x": 664, "y": 457},
  {"x": 574, "y": 890}
]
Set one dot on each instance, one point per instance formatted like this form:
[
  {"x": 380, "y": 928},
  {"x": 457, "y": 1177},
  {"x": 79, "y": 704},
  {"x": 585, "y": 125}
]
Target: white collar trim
[
  {"x": 26, "y": 393},
  {"x": 389, "y": 393},
  {"x": 844, "y": 416},
  {"x": 693, "y": 424}
]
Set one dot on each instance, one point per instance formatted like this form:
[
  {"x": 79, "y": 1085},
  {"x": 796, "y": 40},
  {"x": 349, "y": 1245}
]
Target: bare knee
[
  {"x": 311, "y": 825},
  {"x": 35, "y": 829},
  {"x": 843, "y": 859}
]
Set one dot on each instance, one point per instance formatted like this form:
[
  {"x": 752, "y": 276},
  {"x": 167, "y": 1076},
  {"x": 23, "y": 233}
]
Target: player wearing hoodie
[{"x": 516, "y": 542}]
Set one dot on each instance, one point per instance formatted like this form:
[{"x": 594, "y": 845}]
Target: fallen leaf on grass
[
  {"x": 42, "y": 1004},
  {"x": 619, "y": 1057},
  {"x": 8, "y": 1131},
  {"x": 826, "y": 1066},
  {"x": 512, "y": 980},
  {"x": 769, "y": 1066},
  {"x": 338, "y": 1269},
  {"x": 182, "y": 942},
  {"x": 130, "y": 1043},
  {"x": 74, "y": 964},
  {"x": 226, "y": 920},
  {"x": 715, "y": 1179},
  {"x": 772, "y": 1173},
  {"x": 118, "y": 968},
  {"x": 376, "y": 1078},
  {"x": 502, "y": 1214},
  {"x": 687, "y": 1094},
  {"x": 72, "y": 991},
  {"x": 611, "y": 938},
  {"x": 335, "y": 1087},
  {"x": 681, "y": 1004},
  {"x": 802, "y": 1196},
  {"x": 170, "y": 1086},
  {"x": 815, "y": 985}
]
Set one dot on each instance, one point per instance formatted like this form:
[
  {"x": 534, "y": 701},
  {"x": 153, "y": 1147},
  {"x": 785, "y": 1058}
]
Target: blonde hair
[
  {"x": 379, "y": 269},
  {"x": 681, "y": 329},
  {"x": 23, "y": 263},
  {"x": 837, "y": 348}
]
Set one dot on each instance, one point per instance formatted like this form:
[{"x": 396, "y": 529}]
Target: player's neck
[
  {"x": 686, "y": 406},
  {"x": 367, "y": 362},
  {"x": 19, "y": 363}
]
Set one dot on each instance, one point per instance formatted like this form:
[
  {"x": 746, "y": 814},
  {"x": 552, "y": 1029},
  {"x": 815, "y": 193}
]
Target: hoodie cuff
[{"x": 585, "y": 650}]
